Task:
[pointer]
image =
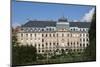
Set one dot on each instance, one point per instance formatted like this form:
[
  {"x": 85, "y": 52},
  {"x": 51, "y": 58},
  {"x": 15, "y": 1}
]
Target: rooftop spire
[{"x": 63, "y": 19}]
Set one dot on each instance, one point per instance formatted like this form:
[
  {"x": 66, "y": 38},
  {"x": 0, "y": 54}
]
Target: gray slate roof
[
  {"x": 53, "y": 23},
  {"x": 39, "y": 24}
]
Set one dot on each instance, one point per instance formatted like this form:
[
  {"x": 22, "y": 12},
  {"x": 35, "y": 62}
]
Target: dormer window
[{"x": 42, "y": 29}]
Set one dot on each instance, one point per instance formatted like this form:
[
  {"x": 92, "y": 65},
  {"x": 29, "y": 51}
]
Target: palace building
[{"x": 55, "y": 36}]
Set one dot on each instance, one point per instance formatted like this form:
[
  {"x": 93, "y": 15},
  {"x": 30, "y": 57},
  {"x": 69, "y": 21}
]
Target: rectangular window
[
  {"x": 21, "y": 35},
  {"x": 42, "y": 35},
  {"x": 53, "y": 35},
  {"x": 30, "y": 35},
  {"x": 57, "y": 34},
  {"x": 67, "y": 35},
  {"x": 26, "y": 35},
  {"x": 46, "y": 35},
  {"x": 83, "y": 39},
  {"x": 83, "y": 45},
  {"x": 53, "y": 43},
  {"x": 42, "y": 40},
  {"x": 57, "y": 44},
  {"x": 49, "y": 35},
  {"x": 87, "y": 39},
  {"x": 68, "y": 43},
  {"x": 62, "y": 35},
  {"x": 42, "y": 45},
  {"x": 35, "y": 34}
]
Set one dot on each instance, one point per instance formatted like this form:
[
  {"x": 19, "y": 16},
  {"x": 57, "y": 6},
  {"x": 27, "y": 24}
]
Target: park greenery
[
  {"x": 90, "y": 51},
  {"x": 23, "y": 55}
]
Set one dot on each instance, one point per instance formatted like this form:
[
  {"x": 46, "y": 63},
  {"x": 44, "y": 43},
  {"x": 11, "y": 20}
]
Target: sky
[{"x": 25, "y": 11}]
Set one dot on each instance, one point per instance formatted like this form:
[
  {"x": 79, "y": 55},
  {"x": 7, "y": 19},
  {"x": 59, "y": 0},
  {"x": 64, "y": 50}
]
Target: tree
[
  {"x": 14, "y": 38},
  {"x": 22, "y": 55},
  {"x": 90, "y": 51}
]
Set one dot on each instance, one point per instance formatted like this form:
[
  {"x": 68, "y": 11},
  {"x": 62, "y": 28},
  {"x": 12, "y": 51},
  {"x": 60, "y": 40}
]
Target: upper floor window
[
  {"x": 71, "y": 35},
  {"x": 74, "y": 29},
  {"x": 35, "y": 34},
  {"x": 67, "y": 35},
  {"x": 83, "y": 29},
  {"x": 50, "y": 44},
  {"x": 39, "y": 45},
  {"x": 87, "y": 44},
  {"x": 49, "y": 35},
  {"x": 83, "y": 39},
  {"x": 80, "y": 45},
  {"x": 47, "y": 29},
  {"x": 46, "y": 44},
  {"x": 42, "y": 45},
  {"x": 62, "y": 35},
  {"x": 46, "y": 35},
  {"x": 77, "y": 43},
  {"x": 83, "y": 45},
  {"x": 68, "y": 43},
  {"x": 26, "y": 35},
  {"x": 87, "y": 35},
  {"x": 42, "y": 40},
  {"x": 42, "y": 29},
  {"x": 80, "y": 39},
  {"x": 87, "y": 39},
  {"x": 21, "y": 35},
  {"x": 30, "y": 35},
  {"x": 57, "y": 44},
  {"x": 80, "y": 35},
  {"x": 71, "y": 29},
  {"x": 53, "y": 35},
  {"x": 57, "y": 34},
  {"x": 83, "y": 35},
  {"x": 53, "y": 43},
  {"x": 42, "y": 35}
]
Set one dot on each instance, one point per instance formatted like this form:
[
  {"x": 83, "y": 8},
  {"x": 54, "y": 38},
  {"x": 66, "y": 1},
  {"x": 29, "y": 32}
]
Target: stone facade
[{"x": 52, "y": 38}]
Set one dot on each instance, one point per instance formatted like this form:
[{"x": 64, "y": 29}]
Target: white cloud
[
  {"x": 75, "y": 20},
  {"x": 88, "y": 16}
]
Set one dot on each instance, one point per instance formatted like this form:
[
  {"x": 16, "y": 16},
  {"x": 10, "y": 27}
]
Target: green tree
[
  {"x": 90, "y": 51},
  {"x": 14, "y": 38},
  {"x": 22, "y": 55}
]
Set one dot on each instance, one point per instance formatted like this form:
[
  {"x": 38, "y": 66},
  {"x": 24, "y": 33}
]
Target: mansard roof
[
  {"x": 37, "y": 23},
  {"x": 80, "y": 24}
]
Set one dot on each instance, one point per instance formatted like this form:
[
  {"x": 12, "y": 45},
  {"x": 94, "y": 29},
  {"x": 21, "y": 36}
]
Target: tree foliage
[
  {"x": 90, "y": 51},
  {"x": 22, "y": 55}
]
